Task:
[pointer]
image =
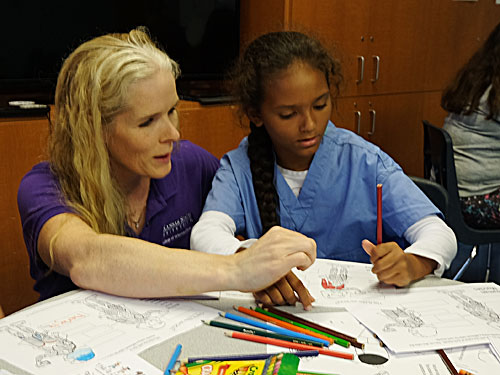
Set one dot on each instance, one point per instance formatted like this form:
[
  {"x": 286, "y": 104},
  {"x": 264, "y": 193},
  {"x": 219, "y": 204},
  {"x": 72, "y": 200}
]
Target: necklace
[{"x": 138, "y": 221}]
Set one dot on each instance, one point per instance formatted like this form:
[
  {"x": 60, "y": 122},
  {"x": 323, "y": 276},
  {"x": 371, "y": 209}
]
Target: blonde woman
[{"x": 116, "y": 201}]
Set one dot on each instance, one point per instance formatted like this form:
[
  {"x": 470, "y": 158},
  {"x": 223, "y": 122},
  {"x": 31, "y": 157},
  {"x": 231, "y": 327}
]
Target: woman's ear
[{"x": 254, "y": 116}]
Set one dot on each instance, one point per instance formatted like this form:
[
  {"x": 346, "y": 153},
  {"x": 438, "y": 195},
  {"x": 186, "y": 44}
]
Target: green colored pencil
[{"x": 336, "y": 340}]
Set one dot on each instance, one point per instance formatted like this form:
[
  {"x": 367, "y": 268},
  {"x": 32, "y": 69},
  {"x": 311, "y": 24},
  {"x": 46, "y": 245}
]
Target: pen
[
  {"x": 250, "y": 357},
  {"x": 269, "y": 327},
  {"x": 466, "y": 264},
  {"x": 336, "y": 340},
  {"x": 173, "y": 359},
  {"x": 379, "y": 214},
  {"x": 258, "y": 332},
  {"x": 286, "y": 344},
  {"x": 283, "y": 324},
  {"x": 354, "y": 342}
]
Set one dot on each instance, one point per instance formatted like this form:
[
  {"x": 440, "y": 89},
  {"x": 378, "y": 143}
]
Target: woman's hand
[
  {"x": 271, "y": 258},
  {"x": 393, "y": 266},
  {"x": 287, "y": 290}
]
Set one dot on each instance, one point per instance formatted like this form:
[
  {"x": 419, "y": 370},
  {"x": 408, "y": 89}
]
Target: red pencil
[
  {"x": 287, "y": 344},
  {"x": 283, "y": 324},
  {"x": 379, "y": 214}
]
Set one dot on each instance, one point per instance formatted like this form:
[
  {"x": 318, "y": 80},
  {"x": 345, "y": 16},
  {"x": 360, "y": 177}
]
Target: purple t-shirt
[{"x": 174, "y": 204}]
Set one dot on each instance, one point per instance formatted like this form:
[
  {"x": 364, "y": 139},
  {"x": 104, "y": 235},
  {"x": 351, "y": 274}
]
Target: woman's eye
[
  {"x": 146, "y": 123},
  {"x": 172, "y": 111}
]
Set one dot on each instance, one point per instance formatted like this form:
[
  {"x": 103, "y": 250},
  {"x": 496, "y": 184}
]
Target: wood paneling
[{"x": 22, "y": 144}]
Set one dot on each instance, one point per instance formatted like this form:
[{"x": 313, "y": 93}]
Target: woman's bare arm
[{"x": 136, "y": 268}]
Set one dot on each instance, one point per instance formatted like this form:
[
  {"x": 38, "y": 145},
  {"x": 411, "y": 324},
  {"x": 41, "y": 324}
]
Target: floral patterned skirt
[{"x": 482, "y": 211}]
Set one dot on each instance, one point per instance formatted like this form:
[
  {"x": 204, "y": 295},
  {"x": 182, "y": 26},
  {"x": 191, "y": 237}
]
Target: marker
[
  {"x": 270, "y": 327},
  {"x": 286, "y": 344},
  {"x": 250, "y": 357},
  {"x": 379, "y": 214},
  {"x": 173, "y": 359}
]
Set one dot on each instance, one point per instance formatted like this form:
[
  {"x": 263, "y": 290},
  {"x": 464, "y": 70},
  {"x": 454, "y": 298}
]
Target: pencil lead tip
[
  {"x": 227, "y": 334},
  {"x": 235, "y": 307},
  {"x": 222, "y": 314}
]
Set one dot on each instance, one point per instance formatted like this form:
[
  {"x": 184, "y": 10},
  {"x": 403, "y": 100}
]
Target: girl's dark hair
[
  {"x": 463, "y": 94},
  {"x": 266, "y": 56}
]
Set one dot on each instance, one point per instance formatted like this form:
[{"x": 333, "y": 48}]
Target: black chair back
[{"x": 439, "y": 166}]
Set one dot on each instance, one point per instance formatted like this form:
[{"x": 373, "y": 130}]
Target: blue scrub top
[{"x": 337, "y": 205}]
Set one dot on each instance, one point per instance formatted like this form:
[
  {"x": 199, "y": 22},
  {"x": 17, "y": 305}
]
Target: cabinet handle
[
  {"x": 373, "y": 115},
  {"x": 376, "y": 60},
  {"x": 361, "y": 68},
  {"x": 357, "y": 114}
]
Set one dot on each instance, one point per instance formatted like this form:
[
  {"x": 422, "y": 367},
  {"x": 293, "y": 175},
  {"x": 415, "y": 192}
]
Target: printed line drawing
[
  {"x": 475, "y": 308},
  {"x": 409, "y": 319},
  {"x": 151, "y": 319},
  {"x": 51, "y": 343}
]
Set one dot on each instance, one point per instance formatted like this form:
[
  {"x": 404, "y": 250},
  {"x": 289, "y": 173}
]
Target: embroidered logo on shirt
[{"x": 177, "y": 228}]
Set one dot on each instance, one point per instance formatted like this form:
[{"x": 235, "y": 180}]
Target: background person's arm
[{"x": 136, "y": 268}]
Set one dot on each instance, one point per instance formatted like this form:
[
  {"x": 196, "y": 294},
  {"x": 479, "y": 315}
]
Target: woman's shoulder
[
  {"x": 39, "y": 175},
  {"x": 188, "y": 152}
]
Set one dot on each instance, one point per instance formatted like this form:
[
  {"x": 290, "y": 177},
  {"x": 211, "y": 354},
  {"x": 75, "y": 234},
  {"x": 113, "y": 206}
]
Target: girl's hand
[
  {"x": 393, "y": 266},
  {"x": 287, "y": 290}
]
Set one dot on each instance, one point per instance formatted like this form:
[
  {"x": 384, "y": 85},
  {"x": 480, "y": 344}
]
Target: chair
[{"x": 439, "y": 165}]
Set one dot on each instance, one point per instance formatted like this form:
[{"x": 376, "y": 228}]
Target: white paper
[
  {"x": 125, "y": 363},
  {"x": 479, "y": 360},
  {"x": 335, "y": 283},
  {"x": 435, "y": 318},
  {"x": 71, "y": 333}
]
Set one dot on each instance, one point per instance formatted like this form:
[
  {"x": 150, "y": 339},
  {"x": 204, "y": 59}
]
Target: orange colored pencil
[
  {"x": 283, "y": 324},
  {"x": 287, "y": 344}
]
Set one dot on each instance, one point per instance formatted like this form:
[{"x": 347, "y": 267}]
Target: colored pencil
[
  {"x": 173, "y": 359},
  {"x": 464, "y": 372},
  {"x": 336, "y": 340},
  {"x": 270, "y": 327},
  {"x": 312, "y": 373},
  {"x": 354, "y": 342},
  {"x": 287, "y": 344},
  {"x": 251, "y": 331},
  {"x": 249, "y": 357},
  {"x": 447, "y": 362},
  {"x": 282, "y": 324},
  {"x": 379, "y": 214}
]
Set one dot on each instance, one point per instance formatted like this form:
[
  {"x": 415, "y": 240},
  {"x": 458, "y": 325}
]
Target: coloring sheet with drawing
[
  {"x": 333, "y": 283},
  {"x": 71, "y": 334},
  {"x": 478, "y": 359},
  {"x": 434, "y": 317}
]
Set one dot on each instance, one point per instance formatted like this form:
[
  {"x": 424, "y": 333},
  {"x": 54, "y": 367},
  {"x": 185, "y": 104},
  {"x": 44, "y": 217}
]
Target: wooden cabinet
[
  {"x": 22, "y": 144},
  {"x": 397, "y": 57}
]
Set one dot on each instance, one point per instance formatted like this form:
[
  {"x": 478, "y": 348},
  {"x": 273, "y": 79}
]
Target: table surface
[{"x": 205, "y": 340}]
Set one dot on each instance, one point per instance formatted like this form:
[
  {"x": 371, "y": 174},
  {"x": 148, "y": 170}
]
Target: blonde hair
[{"x": 92, "y": 88}]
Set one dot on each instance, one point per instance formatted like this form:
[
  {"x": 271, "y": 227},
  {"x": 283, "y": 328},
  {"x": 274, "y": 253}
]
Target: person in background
[
  {"x": 297, "y": 170},
  {"x": 115, "y": 203},
  {"x": 473, "y": 102}
]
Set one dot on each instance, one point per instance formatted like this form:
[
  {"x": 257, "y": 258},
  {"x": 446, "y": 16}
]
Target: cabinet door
[
  {"x": 216, "y": 128},
  {"x": 454, "y": 31},
  {"x": 342, "y": 25},
  {"x": 393, "y": 122},
  {"x": 22, "y": 145}
]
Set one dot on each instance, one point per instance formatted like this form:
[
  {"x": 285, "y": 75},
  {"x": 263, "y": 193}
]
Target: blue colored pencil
[
  {"x": 249, "y": 357},
  {"x": 276, "y": 329},
  {"x": 173, "y": 359}
]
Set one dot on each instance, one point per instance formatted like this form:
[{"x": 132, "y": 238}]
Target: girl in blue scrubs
[{"x": 297, "y": 170}]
